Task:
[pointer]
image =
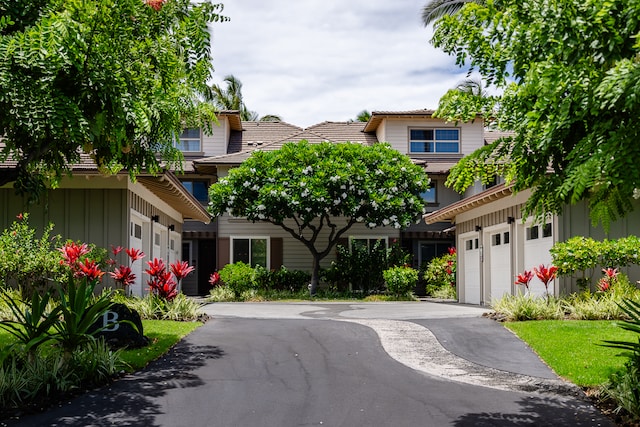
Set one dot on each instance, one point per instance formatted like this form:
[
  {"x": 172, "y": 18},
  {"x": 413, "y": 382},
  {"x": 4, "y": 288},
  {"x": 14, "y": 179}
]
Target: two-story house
[{"x": 426, "y": 140}]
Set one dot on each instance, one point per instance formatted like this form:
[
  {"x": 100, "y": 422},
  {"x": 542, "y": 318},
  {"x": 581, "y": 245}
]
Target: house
[
  {"x": 426, "y": 140},
  {"x": 496, "y": 242},
  {"x": 165, "y": 215},
  {"x": 147, "y": 214}
]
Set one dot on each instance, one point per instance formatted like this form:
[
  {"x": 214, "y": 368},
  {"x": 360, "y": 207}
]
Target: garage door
[
  {"x": 135, "y": 242},
  {"x": 471, "y": 279},
  {"x": 538, "y": 241},
  {"x": 500, "y": 264}
]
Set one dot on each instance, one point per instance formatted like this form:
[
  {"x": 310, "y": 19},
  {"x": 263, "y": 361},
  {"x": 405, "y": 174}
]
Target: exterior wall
[
  {"x": 216, "y": 144},
  {"x": 295, "y": 255},
  {"x": 575, "y": 221},
  {"x": 396, "y": 133}
]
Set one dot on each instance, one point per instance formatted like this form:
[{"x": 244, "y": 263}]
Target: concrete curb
[{"x": 416, "y": 347}]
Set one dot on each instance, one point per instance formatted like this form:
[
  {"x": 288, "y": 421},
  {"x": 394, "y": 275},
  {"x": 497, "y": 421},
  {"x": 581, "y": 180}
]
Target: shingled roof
[{"x": 268, "y": 136}]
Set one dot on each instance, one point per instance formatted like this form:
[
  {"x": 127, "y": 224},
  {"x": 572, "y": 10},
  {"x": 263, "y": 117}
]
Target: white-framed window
[
  {"x": 369, "y": 242},
  {"x": 445, "y": 140},
  {"x": 190, "y": 140},
  {"x": 250, "y": 250},
  {"x": 430, "y": 196}
]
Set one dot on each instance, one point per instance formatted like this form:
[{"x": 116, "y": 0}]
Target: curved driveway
[{"x": 338, "y": 364}]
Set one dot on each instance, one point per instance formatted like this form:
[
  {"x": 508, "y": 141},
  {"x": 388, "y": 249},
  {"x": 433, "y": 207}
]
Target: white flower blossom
[
  {"x": 385, "y": 221},
  {"x": 336, "y": 202},
  {"x": 334, "y": 178},
  {"x": 255, "y": 187},
  {"x": 344, "y": 195},
  {"x": 403, "y": 169},
  {"x": 253, "y": 170},
  {"x": 371, "y": 225},
  {"x": 360, "y": 219},
  {"x": 261, "y": 207},
  {"x": 246, "y": 183},
  {"x": 307, "y": 170}
]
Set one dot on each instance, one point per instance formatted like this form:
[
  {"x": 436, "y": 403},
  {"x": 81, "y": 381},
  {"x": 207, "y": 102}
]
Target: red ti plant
[
  {"x": 546, "y": 275},
  {"x": 123, "y": 275},
  {"x": 134, "y": 254},
  {"x": 610, "y": 275},
  {"x": 214, "y": 279},
  {"x": 161, "y": 281},
  {"x": 181, "y": 269},
  {"x": 524, "y": 278}
]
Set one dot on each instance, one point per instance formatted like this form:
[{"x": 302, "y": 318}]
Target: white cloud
[{"x": 315, "y": 60}]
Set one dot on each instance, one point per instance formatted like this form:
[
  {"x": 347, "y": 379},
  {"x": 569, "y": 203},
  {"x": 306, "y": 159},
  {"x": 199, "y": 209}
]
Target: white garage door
[
  {"x": 500, "y": 264},
  {"x": 471, "y": 279},
  {"x": 135, "y": 242},
  {"x": 538, "y": 241}
]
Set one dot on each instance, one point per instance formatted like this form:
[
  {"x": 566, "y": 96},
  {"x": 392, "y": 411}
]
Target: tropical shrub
[
  {"x": 528, "y": 307},
  {"x": 27, "y": 261},
  {"x": 624, "y": 386},
  {"x": 440, "y": 274},
  {"x": 238, "y": 277},
  {"x": 221, "y": 293},
  {"x": 360, "y": 269},
  {"x": 281, "y": 279},
  {"x": 400, "y": 280},
  {"x": 582, "y": 256}
]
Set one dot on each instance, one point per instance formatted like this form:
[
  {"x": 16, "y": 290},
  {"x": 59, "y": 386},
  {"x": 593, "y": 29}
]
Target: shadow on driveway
[{"x": 129, "y": 401}]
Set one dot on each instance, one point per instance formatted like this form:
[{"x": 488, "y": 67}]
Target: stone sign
[{"x": 118, "y": 328}]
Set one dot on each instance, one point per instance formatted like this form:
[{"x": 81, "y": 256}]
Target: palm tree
[
  {"x": 363, "y": 116},
  {"x": 231, "y": 99},
  {"x": 436, "y": 9}
]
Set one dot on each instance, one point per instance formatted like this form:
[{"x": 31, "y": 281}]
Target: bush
[
  {"x": 153, "y": 307},
  {"x": 239, "y": 277},
  {"x": 400, "y": 280},
  {"x": 282, "y": 279},
  {"x": 582, "y": 256},
  {"x": 27, "y": 261},
  {"x": 360, "y": 269},
  {"x": 528, "y": 307},
  {"x": 221, "y": 293},
  {"x": 440, "y": 275}
]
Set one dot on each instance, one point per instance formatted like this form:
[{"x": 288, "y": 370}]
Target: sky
[{"x": 310, "y": 61}]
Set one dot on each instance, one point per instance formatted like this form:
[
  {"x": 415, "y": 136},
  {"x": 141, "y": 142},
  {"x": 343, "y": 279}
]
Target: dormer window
[
  {"x": 190, "y": 140},
  {"x": 434, "y": 141}
]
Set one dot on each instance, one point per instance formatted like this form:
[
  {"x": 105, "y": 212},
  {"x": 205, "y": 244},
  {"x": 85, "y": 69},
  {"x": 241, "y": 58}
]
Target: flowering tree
[
  {"x": 115, "y": 79},
  {"x": 309, "y": 189}
]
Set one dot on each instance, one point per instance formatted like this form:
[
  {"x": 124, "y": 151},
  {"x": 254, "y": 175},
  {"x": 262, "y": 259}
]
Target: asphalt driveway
[{"x": 389, "y": 364}]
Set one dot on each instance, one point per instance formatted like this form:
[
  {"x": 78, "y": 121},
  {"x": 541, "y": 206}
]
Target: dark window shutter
[
  {"x": 276, "y": 252},
  {"x": 224, "y": 249}
]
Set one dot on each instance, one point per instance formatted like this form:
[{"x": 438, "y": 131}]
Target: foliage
[
  {"x": 50, "y": 374},
  {"x": 221, "y": 293},
  {"x": 360, "y": 269},
  {"x": 400, "y": 280},
  {"x": 115, "y": 79},
  {"x": 154, "y": 307},
  {"x": 31, "y": 321},
  {"x": 238, "y": 277},
  {"x": 624, "y": 388},
  {"x": 231, "y": 99},
  {"x": 440, "y": 274},
  {"x": 323, "y": 189},
  {"x": 528, "y": 307},
  {"x": 27, "y": 261},
  {"x": 568, "y": 71},
  {"x": 582, "y": 255},
  {"x": 281, "y": 279}
]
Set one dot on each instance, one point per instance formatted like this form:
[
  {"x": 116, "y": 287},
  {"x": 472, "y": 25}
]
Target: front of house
[{"x": 426, "y": 140}]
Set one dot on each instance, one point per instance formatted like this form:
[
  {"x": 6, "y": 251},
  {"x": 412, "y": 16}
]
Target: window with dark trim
[
  {"x": 190, "y": 140},
  {"x": 198, "y": 188}
]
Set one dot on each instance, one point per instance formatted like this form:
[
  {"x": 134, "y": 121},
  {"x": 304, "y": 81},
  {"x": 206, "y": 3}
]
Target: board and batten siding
[
  {"x": 216, "y": 144},
  {"x": 396, "y": 133},
  {"x": 96, "y": 216},
  {"x": 295, "y": 254}
]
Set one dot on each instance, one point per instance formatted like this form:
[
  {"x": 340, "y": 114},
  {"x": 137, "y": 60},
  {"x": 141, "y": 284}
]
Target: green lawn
[
  {"x": 570, "y": 347},
  {"x": 163, "y": 334}
]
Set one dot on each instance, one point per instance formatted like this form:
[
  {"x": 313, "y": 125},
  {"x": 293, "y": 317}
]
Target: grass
[
  {"x": 571, "y": 348},
  {"x": 163, "y": 335}
]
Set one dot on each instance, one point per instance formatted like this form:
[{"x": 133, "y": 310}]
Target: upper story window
[
  {"x": 434, "y": 140},
  {"x": 429, "y": 196},
  {"x": 199, "y": 189},
  {"x": 190, "y": 140}
]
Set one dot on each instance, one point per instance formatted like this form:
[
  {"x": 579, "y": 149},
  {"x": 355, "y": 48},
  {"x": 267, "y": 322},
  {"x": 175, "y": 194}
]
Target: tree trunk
[{"x": 315, "y": 276}]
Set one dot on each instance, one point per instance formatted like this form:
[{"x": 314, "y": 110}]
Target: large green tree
[
  {"x": 569, "y": 70},
  {"x": 115, "y": 79},
  {"x": 314, "y": 190}
]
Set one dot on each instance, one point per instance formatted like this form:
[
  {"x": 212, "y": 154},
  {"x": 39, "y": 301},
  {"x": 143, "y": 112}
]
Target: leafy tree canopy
[
  {"x": 308, "y": 189},
  {"x": 569, "y": 70},
  {"x": 115, "y": 79}
]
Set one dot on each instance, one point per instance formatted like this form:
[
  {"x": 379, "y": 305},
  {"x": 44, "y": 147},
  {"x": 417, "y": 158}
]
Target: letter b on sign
[{"x": 110, "y": 321}]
